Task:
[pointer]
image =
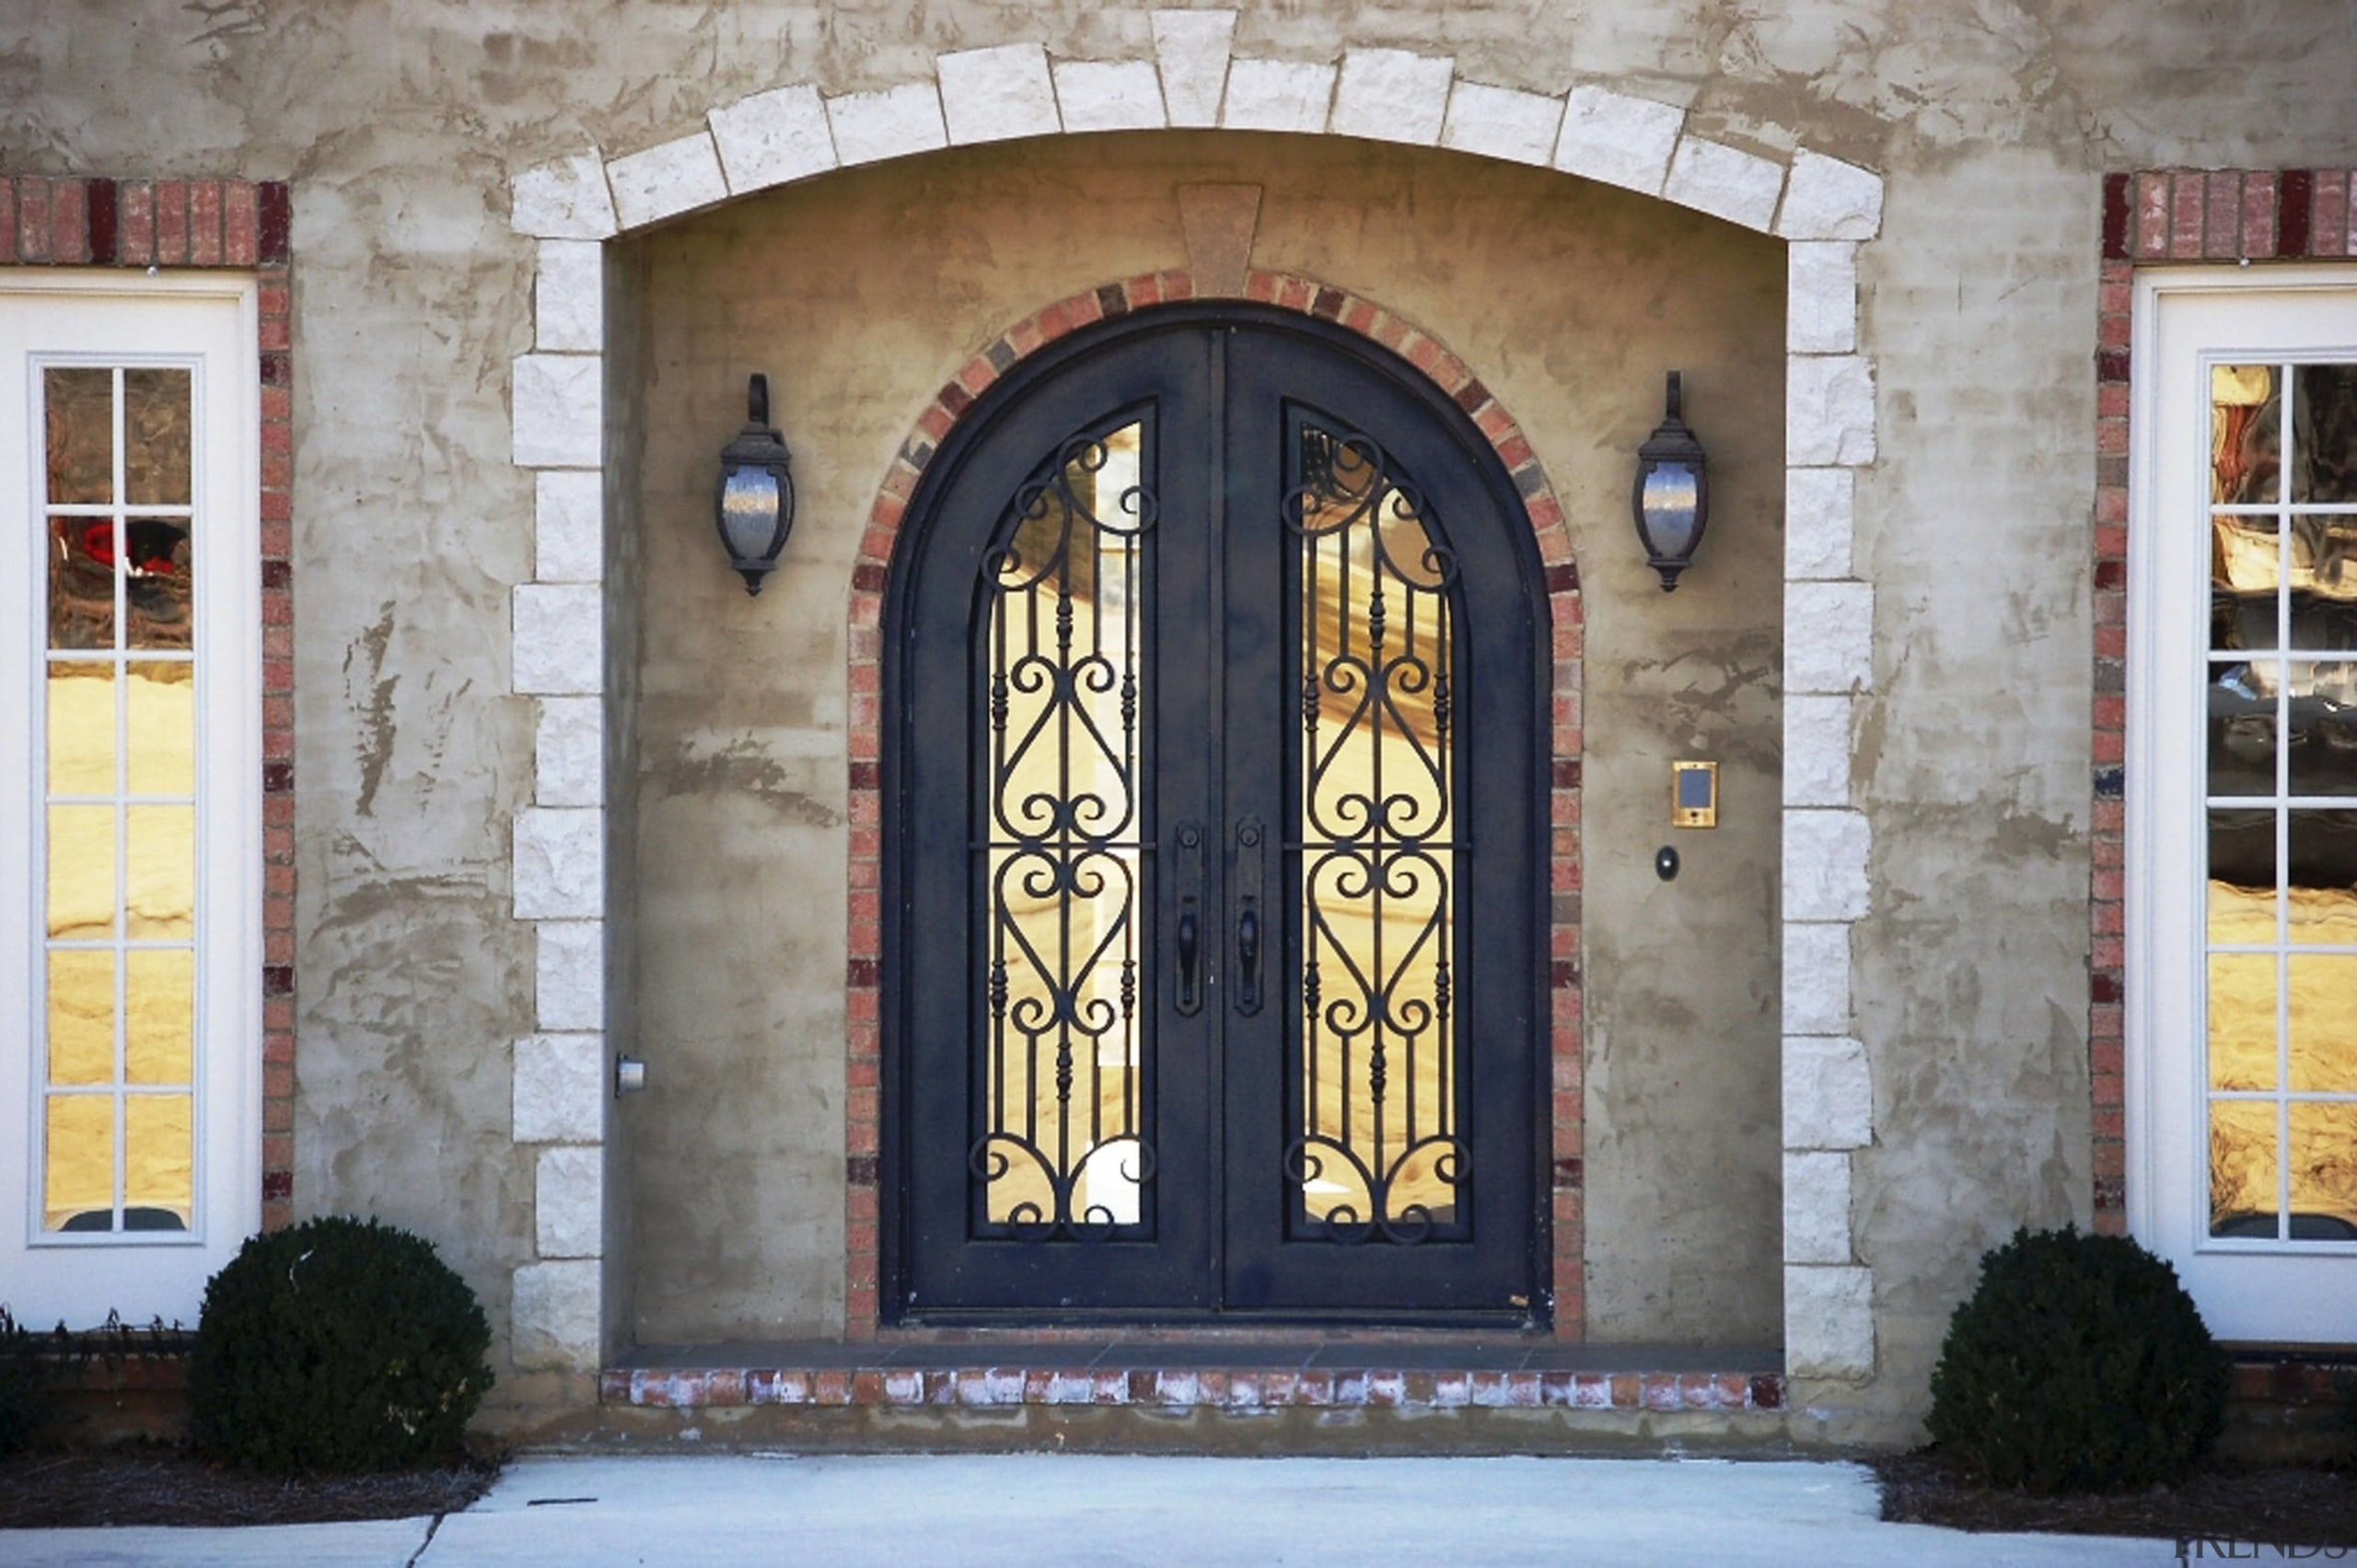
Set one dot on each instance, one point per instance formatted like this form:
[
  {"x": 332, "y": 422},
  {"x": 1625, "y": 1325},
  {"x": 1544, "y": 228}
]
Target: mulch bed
[
  {"x": 160, "y": 1484},
  {"x": 2288, "y": 1505}
]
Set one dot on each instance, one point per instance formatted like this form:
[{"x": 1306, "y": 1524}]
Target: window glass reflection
[
  {"x": 2323, "y": 1023},
  {"x": 80, "y": 1017},
  {"x": 156, "y": 428},
  {"x": 161, "y": 698},
  {"x": 158, "y": 1147},
  {"x": 159, "y": 1014},
  {"x": 2324, "y": 1171},
  {"x": 79, "y": 700},
  {"x": 79, "y": 1178},
  {"x": 160, "y": 885},
  {"x": 2324, "y": 434},
  {"x": 2242, "y": 1168},
  {"x": 81, "y": 583},
  {"x": 77, "y": 406}
]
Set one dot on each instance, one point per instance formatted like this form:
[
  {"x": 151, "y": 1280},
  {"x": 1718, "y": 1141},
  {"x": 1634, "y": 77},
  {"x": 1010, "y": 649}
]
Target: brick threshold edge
[{"x": 1039, "y": 1376}]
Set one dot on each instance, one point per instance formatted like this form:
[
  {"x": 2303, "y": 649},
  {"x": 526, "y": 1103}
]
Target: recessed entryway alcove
[{"x": 860, "y": 293}]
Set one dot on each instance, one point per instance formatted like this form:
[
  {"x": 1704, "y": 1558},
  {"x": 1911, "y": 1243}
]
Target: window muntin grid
[
  {"x": 2279, "y": 1040},
  {"x": 116, "y": 1054}
]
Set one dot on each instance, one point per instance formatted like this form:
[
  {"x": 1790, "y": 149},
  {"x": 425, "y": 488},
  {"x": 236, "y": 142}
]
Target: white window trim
[
  {"x": 141, "y": 1275},
  {"x": 2272, "y": 1292}
]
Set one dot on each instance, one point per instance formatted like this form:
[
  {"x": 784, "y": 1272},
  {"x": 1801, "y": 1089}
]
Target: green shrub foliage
[
  {"x": 337, "y": 1345},
  {"x": 24, "y": 1391},
  {"x": 2078, "y": 1364}
]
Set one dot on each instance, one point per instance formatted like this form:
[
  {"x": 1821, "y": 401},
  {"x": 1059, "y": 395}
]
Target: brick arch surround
[
  {"x": 1824, "y": 209},
  {"x": 863, "y": 742}
]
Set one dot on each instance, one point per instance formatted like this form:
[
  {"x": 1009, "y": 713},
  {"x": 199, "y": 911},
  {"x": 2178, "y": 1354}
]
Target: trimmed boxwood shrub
[
  {"x": 2078, "y": 1364},
  {"x": 338, "y": 1345}
]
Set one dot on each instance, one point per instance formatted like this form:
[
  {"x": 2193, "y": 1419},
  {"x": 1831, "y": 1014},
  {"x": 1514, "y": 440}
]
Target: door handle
[
  {"x": 1250, "y": 850},
  {"x": 1189, "y": 999}
]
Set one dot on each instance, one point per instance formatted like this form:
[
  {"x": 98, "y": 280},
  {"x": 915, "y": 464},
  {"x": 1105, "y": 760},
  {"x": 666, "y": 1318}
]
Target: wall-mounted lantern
[
  {"x": 755, "y": 498},
  {"x": 1672, "y": 499}
]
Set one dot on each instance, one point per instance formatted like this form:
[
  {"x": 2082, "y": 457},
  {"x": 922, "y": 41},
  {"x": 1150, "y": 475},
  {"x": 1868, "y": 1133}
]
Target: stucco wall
[{"x": 400, "y": 128}]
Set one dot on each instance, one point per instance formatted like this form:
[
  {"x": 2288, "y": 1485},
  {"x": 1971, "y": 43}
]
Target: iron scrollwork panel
[
  {"x": 1061, "y": 847},
  {"x": 1377, "y": 1151}
]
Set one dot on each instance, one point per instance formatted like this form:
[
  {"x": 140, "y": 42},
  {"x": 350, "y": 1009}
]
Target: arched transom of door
[{"x": 1216, "y": 812}]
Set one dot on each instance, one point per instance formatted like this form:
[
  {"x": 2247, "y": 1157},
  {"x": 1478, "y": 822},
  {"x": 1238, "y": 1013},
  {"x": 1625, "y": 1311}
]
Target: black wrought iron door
[{"x": 1215, "y": 844}]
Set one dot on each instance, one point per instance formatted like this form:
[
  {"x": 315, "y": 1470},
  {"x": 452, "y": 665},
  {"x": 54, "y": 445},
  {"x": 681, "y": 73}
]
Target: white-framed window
[
  {"x": 2242, "y": 796},
  {"x": 130, "y": 792}
]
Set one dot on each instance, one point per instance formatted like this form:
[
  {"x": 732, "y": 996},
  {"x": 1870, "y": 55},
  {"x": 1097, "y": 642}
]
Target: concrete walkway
[{"x": 1044, "y": 1511}]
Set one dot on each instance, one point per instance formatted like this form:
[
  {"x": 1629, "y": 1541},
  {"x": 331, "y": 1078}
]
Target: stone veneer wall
[{"x": 1824, "y": 208}]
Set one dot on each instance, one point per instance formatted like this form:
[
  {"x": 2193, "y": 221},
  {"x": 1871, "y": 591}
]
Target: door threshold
[{"x": 1241, "y": 1374}]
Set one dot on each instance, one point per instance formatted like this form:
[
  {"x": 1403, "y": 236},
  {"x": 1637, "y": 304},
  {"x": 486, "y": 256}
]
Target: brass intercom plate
[{"x": 1693, "y": 794}]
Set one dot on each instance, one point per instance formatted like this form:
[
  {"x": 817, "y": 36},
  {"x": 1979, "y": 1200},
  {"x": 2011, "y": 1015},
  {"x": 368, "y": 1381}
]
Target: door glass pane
[
  {"x": 81, "y": 722},
  {"x": 1063, "y": 1148},
  {"x": 162, "y": 731},
  {"x": 155, "y": 583},
  {"x": 77, "y": 1190},
  {"x": 81, "y": 871},
  {"x": 161, "y": 883},
  {"x": 2242, "y": 1020},
  {"x": 2324, "y": 469},
  {"x": 81, "y": 583},
  {"x": 2323, "y": 751},
  {"x": 158, "y": 1164},
  {"x": 2242, "y": 701},
  {"x": 80, "y": 1014},
  {"x": 2242, "y": 1168},
  {"x": 2324, "y": 1171},
  {"x": 2323, "y": 993},
  {"x": 1376, "y": 1149},
  {"x": 159, "y": 1014},
  {"x": 155, "y": 416},
  {"x": 78, "y": 418},
  {"x": 2320, "y": 894}
]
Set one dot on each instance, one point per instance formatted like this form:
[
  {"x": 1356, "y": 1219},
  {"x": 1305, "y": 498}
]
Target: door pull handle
[
  {"x": 1248, "y": 858},
  {"x": 1189, "y": 1000}
]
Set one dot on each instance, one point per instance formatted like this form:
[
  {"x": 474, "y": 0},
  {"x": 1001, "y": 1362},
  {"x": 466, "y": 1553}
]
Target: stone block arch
[{"x": 1824, "y": 209}]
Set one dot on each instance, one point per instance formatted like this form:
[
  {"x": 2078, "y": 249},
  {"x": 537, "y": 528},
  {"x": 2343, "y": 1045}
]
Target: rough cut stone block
[
  {"x": 569, "y": 753},
  {"x": 1617, "y": 139},
  {"x": 1829, "y": 637},
  {"x": 1816, "y": 1207},
  {"x": 1824, "y": 865},
  {"x": 1827, "y": 199},
  {"x": 1109, "y": 94},
  {"x": 1816, "y": 750},
  {"x": 1817, "y": 978},
  {"x": 1277, "y": 95},
  {"x": 1828, "y": 411},
  {"x": 772, "y": 137},
  {"x": 1828, "y": 1322},
  {"x": 560, "y": 1089},
  {"x": 565, "y": 199},
  {"x": 560, "y": 645},
  {"x": 1820, "y": 520},
  {"x": 569, "y": 1203},
  {"x": 555, "y": 1321},
  {"x": 664, "y": 182},
  {"x": 1503, "y": 123},
  {"x": 1724, "y": 181},
  {"x": 1391, "y": 95},
  {"x": 559, "y": 863},
  {"x": 1191, "y": 48},
  {"x": 569, "y": 297},
  {"x": 569, "y": 974},
  {"x": 560, "y": 412},
  {"x": 1821, "y": 297},
  {"x": 1828, "y": 1095},
  {"x": 568, "y": 526},
  {"x": 871, "y": 127},
  {"x": 994, "y": 95}
]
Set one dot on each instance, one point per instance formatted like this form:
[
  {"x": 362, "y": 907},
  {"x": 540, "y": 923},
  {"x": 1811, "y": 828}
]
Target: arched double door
[{"x": 1215, "y": 844}]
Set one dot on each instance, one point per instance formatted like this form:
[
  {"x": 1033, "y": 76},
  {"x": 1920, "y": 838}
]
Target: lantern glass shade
[
  {"x": 1672, "y": 495},
  {"x": 754, "y": 507}
]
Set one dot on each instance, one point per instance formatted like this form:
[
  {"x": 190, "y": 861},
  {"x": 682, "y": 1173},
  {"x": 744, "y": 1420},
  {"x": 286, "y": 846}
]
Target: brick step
[{"x": 1367, "y": 1375}]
